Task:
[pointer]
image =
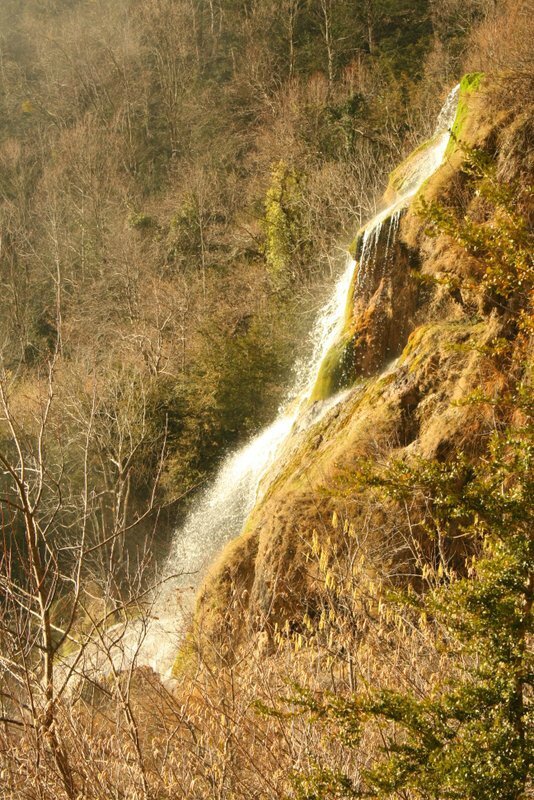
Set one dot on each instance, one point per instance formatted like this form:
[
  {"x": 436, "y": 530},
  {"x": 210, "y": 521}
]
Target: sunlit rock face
[{"x": 341, "y": 408}]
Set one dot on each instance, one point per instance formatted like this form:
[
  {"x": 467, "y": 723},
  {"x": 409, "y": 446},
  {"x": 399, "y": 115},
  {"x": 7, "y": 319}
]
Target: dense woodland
[{"x": 179, "y": 183}]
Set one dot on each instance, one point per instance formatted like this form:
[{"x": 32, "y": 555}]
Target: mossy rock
[
  {"x": 429, "y": 339},
  {"x": 355, "y": 247},
  {"x": 336, "y": 371},
  {"x": 469, "y": 84},
  {"x": 186, "y": 656},
  {"x": 227, "y": 582}
]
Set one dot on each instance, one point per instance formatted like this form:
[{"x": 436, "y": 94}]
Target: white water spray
[{"x": 222, "y": 509}]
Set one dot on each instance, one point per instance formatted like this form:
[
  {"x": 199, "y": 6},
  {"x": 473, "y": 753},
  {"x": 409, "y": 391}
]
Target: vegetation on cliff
[
  {"x": 423, "y": 578},
  {"x": 467, "y": 732},
  {"x": 176, "y": 177}
]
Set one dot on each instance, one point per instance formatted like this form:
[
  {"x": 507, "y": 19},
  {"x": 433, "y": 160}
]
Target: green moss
[
  {"x": 355, "y": 246},
  {"x": 469, "y": 84},
  {"x": 335, "y": 371},
  {"x": 414, "y": 341}
]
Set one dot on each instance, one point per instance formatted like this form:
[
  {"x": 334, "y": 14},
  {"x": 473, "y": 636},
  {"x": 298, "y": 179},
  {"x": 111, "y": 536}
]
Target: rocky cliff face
[{"x": 413, "y": 354}]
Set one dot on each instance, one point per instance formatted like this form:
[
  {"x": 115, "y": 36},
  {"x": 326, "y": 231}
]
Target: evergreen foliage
[
  {"x": 469, "y": 735},
  {"x": 499, "y": 237},
  {"x": 284, "y": 225}
]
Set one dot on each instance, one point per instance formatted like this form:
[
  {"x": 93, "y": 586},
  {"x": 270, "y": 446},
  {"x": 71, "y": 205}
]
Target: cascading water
[
  {"x": 420, "y": 167},
  {"x": 222, "y": 509}
]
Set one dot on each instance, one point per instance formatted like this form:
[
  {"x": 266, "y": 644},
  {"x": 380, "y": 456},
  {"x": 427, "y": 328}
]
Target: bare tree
[
  {"x": 291, "y": 10},
  {"x": 58, "y": 527}
]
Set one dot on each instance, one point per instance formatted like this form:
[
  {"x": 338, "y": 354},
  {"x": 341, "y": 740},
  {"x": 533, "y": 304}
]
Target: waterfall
[{"x": 222, "y": 509}]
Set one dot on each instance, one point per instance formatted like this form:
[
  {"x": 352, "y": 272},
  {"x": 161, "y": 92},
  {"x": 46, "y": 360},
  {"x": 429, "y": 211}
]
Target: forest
[{"x": 181, "y": 182}]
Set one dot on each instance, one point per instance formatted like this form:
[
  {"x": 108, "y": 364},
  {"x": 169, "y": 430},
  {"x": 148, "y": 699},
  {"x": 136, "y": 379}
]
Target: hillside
[
  {"x": 394, "y": 510},
  {"x": 417, "y": 348},
  {"x": 266, "y": 397}
]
